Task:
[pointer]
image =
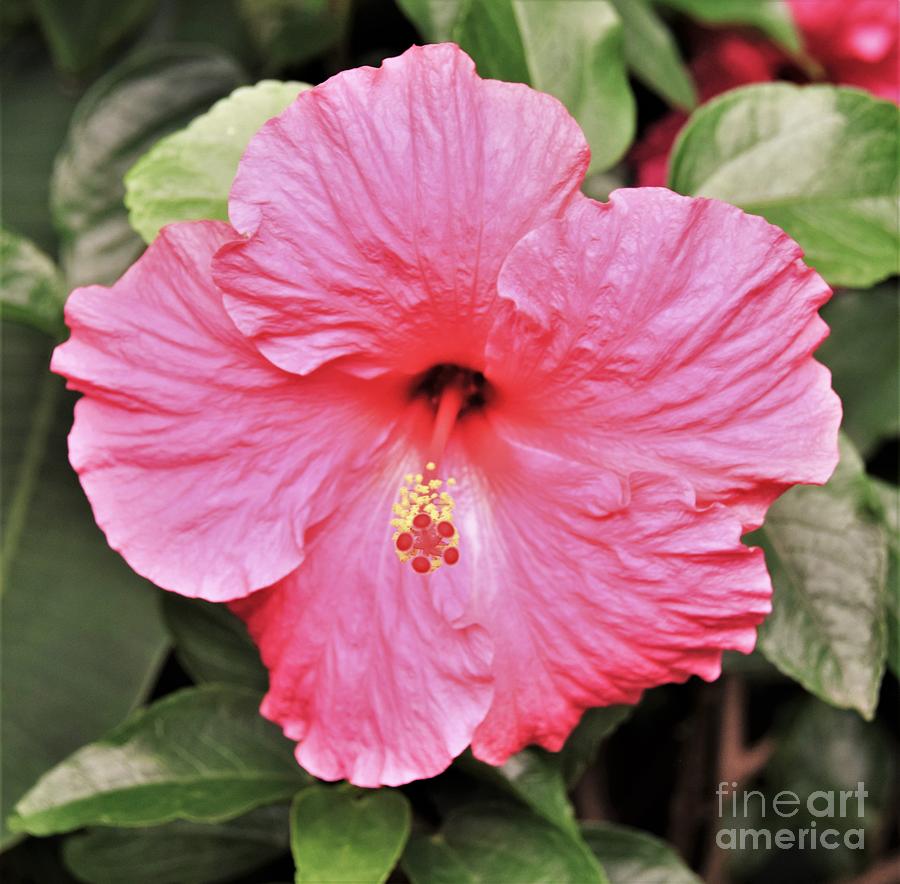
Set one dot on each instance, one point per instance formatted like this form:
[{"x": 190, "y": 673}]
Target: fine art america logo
[{"x": 817, "y": 809}]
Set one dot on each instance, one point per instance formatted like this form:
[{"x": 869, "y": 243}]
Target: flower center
[{"x": 424, "y": 533}]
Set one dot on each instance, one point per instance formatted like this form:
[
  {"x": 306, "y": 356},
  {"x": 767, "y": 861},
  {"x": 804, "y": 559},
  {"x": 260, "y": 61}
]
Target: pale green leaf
[
  {"x": 818, "y": 161},
  {"x": 188, "y": 174}
]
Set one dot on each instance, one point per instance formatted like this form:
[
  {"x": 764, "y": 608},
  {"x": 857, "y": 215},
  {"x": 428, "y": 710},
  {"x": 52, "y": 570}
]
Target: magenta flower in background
[
  {"x": 417, "y": 314},
  {"x": 856, "y": 41}
]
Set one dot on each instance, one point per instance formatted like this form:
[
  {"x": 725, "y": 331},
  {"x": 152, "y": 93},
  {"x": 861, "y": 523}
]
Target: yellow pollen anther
[{"x": 424, "y": 533}]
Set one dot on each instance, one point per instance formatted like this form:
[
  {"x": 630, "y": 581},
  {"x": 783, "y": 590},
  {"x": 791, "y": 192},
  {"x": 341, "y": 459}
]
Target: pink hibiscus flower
[
  {"x": 855, "y": 42},
  {"x": 415, "y": 291}
]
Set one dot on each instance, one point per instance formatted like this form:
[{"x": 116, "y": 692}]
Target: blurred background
[{"x": 89, "y": 86}]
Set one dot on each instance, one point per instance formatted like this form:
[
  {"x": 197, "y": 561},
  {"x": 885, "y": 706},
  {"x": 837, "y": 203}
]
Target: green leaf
[
  {"x": 573, "y": 50},
  {"x": 486, "y": 843},
  {"x": 818, "y": 161},
  {"x": 863, "y": 353},
  {"x": 488, "y": 31},
  {"x": 542, "y": 779},
  {"x": 34, "y": 117},
  {"x": 584, "y": 742},
  {"x": 888, "y": 497},
  {"x": 80, "y": 32},
  {"x": 212, "y": 644},
  {"x": 119, "y": 118},
  {"x": 435, "y": 19},
  {"x": 827, "y": 556},
  {"x": 534, "y": 777},
  {"x": 31, "y": 289},
  {"x": 652, "y": 53},
  {"x": 340, "y": 834},
  {"x": 576, "y": 52},
  {"x": 201, "y": 22},
  {"x": 188, "y": 174},
  {"x": 772, "y": 17},
  {"x": 179, "y": 852},
  {"x": 70, "y": 605},
  {"x": 292, "y": 32},
  {"x": 630, "y": 856},
  {"x": 201, "y": 754}
]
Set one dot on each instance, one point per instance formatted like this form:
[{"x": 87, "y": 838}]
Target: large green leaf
[
  {"x": 340, "y": 834},
  {"x": 178, "y": 852},
  {"x": 827, "y": 556},
  {"x": 863, "y": 353},
  {"x": 818, "y": 161},
  {"x": 291, "y": 32},
  {"x": 81, "y": 633},
  {"x": 31, "y": 288},
  {"x": 212, "y": 644},
  {"x": 652, "y": 53},
  {"x": 572, "y": 49},
  {"x": 630, "y": 856},
  {"x": 202, "y": 754},
  {"x": 215, "y": 23},
  {"x": 119, "y": 118},
  {"x": 34, "y": 117},
  {"x": 773, "y": 17},
  {"x": 81, "y": 31},
  {"x": 888, "y": 497},
  {"x": 188, "y": 174},
  {"x": 486, "y": 843}
]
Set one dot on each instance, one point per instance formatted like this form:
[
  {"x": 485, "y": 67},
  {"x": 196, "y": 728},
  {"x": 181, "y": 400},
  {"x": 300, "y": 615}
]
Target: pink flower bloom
[
  {"x": 416, "y": 286},
  {"x": 855, "y": 42}
]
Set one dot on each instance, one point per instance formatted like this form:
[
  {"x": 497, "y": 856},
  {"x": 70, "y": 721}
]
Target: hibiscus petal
[
  {"x": 367, "y": 672},
  {"x": 202, "y": 461},
  {"x": 381, "y": 206},
  {"x": 592, "y": 590},
  {"x": 658, "y": 332}
]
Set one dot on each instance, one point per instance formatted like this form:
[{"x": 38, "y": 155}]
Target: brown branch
[
  {"x": 588, "y": 796},
  {"x": 737, "y": 763}
]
